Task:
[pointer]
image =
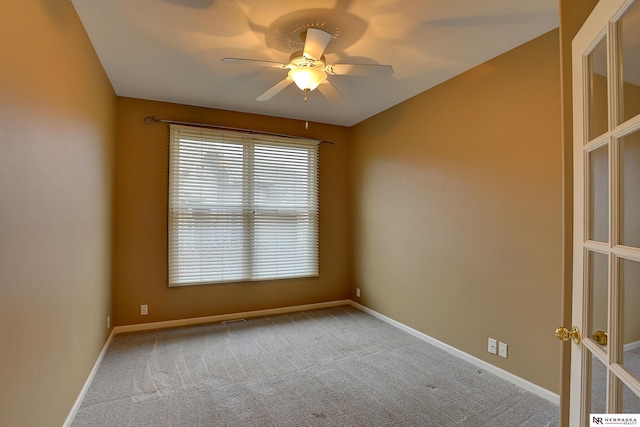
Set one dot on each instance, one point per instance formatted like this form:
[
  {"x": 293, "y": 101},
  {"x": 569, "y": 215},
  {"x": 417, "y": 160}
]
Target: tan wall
[
  {"x": 457, "y": 210},
  {"x": 141, "y": 221},
  {"x": 57, "y": 132}
]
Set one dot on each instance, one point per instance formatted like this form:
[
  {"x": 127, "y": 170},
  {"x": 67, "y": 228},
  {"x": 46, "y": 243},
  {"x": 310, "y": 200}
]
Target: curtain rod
[{"x": 151, "y": 119}]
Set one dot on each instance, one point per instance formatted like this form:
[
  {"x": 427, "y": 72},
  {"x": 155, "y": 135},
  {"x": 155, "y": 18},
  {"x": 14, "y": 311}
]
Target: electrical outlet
[
  {"x": 502, "y": 350},
  {"x": 358, "y": 292},
  {"x": 144, "y": 309},
  {"x": 108, "y": 322},
  {"x": 493, "y": 346}
]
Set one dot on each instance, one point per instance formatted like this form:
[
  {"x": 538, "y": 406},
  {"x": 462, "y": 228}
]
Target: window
[{"x": 241, "y": 206}]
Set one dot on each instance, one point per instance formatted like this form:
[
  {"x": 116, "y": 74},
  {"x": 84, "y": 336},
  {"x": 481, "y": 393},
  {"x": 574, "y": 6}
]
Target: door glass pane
[
  {"x": 598, "y": 83},
  {"x": 630, "y": 402},
  {"x": 630, "y": 36},
  {"x": 598, "y": 164},
  {"x": 598, "y": 294},
  {"x": 629, "y": 273},
  {"x": 598, "y": 377},
  {"x": 629, "y": 223}
]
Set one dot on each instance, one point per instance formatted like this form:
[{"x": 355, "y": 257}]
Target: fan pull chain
[{"x": 306, "y": 104}]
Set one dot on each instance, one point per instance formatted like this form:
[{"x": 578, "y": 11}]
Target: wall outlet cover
[
  {"x": 502, "y": 350},
  {"x": 492, "y": 346}
]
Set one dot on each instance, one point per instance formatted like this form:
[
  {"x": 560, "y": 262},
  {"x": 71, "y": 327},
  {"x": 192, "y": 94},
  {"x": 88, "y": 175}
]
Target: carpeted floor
[{"x": 331, "y": 367}]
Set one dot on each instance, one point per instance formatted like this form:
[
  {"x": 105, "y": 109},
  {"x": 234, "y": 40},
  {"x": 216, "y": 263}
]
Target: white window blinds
[{"x": 241, "y": 206}]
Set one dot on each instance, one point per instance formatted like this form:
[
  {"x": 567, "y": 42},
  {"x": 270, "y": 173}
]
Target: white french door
[{"x": 605, "y": 361}]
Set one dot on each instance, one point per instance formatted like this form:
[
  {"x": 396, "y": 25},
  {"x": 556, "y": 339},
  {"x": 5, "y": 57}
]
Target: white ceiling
[{"x": 170, "y": 50}]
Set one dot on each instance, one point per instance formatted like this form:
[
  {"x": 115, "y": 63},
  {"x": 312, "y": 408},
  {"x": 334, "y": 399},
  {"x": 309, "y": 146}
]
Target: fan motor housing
[{"x": 298, "y": 60}]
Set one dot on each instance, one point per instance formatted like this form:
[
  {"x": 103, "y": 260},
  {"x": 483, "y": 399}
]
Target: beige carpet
[{"x": 332, "y": 367}]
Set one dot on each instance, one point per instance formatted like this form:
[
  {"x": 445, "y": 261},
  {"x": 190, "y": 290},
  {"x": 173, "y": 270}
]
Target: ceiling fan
[{"x": 308, "y": 68}]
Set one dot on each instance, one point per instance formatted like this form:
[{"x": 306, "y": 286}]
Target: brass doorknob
[
  {"x": 565, "y": 334},
  {"x": 601, "y": 337}
]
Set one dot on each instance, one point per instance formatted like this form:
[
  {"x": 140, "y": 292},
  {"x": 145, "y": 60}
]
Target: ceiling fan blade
[
  {"x": 257, "y": 62},
  {"x": 330, "y": 92},
  {"x": 315, "y": 43},
  {"x": 270, "y": 93},
  {"x": 374, "y": 70}
]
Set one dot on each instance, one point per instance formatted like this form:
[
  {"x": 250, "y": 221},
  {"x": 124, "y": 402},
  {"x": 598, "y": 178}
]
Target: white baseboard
[
  {"x": 631, "y": 346},
  {"x": 514, "y": 379},
  {"x": 87, "y": 383},
  {"x": 223, "y": 317}
]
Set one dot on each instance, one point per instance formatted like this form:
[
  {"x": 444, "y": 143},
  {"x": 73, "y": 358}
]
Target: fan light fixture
[
  {"x": 307, "y": 78},
  {"x": 308, "y": 68}
]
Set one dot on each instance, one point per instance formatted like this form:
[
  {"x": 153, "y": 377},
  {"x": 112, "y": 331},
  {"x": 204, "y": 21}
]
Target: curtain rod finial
[{"x": 150, "y": 119}]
